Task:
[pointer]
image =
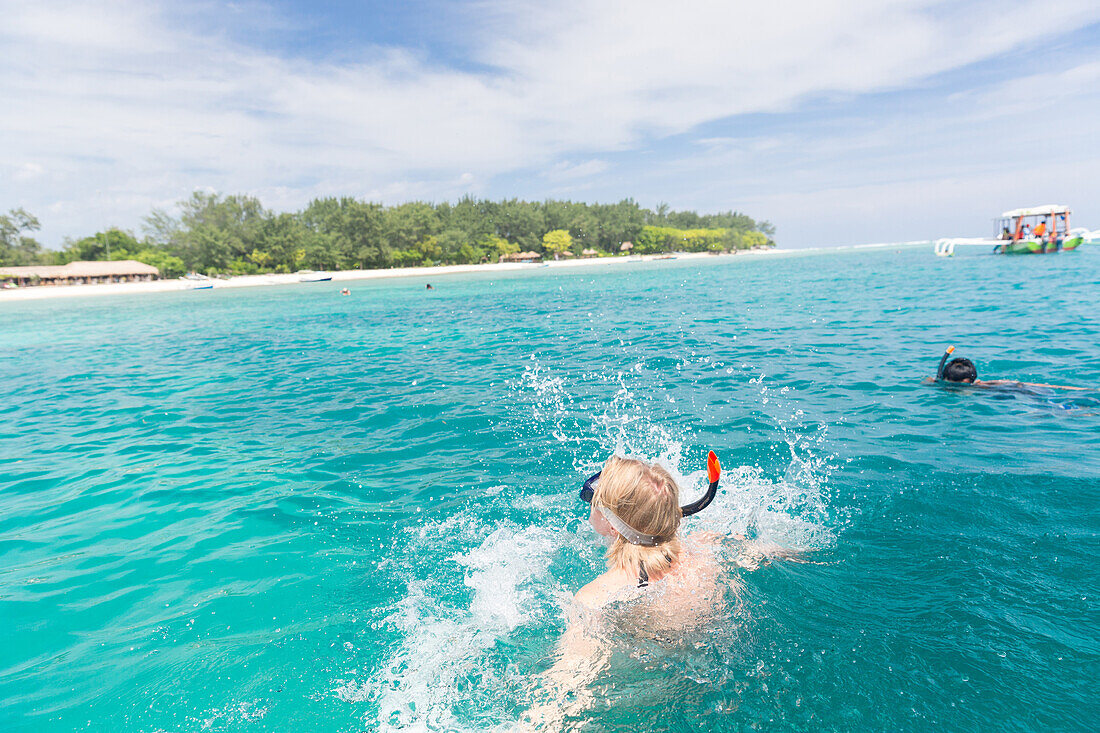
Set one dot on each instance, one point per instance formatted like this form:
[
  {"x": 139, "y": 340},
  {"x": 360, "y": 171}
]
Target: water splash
[
  {"x": 457, "y": 655},
  {"x": 447, "y": 671}
]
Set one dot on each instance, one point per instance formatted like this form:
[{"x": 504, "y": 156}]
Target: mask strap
[{"x": 629, "y": 534}]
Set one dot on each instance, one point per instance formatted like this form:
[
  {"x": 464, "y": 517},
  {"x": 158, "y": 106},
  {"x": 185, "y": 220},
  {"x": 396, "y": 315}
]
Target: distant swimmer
[
  {"x": 963, "y": 371},
  {"x": 429, "y": 287},
  {"x": 345, "y": 291},
  {"x": 657, "y": 585}
]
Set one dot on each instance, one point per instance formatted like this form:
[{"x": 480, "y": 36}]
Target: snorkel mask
[
  {"x": 943, "y": 362},
  {"x": 588, "y": 492}
]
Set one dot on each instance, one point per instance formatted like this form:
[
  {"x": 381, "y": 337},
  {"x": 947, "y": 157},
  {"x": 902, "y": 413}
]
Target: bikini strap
[{"x": 643, "y": 576}]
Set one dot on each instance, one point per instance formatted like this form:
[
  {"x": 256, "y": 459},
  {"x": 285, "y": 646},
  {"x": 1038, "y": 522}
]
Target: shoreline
[{"x": 45, "y": 292}]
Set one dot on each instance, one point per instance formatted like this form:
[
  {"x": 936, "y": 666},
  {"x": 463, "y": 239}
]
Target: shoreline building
[
  {"x": 521, "y": 257},
  {"x": 80, "y": 273}
]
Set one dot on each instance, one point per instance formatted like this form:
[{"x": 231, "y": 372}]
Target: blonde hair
[{"x": 647, "y": 499}]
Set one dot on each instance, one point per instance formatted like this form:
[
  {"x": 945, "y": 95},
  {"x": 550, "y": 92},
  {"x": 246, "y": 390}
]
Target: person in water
[
  {"x": 636, "y": 506},
  {"x": 668, "y": 582},
  {"x": 963, "y": 371}
]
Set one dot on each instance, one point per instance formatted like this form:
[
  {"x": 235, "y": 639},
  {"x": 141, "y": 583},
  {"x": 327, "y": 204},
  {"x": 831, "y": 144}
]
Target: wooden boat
[{"x": 1035, "y": 230}]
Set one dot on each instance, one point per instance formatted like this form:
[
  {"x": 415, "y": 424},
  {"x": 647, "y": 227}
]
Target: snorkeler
[
  {"x": 668, "y": 583},
  {"x": 963, "y": 371},
  {"x": 636, "y": 506}
]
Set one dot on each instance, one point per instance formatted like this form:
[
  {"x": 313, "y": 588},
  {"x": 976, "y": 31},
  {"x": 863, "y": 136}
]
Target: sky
[{"x": 841, "y": 122}]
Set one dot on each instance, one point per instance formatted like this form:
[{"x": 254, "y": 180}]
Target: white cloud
[
  {"x": 27, "y": 172},
  {"x": 567, "y": 170},
  {"x": 125, "y": 108}
]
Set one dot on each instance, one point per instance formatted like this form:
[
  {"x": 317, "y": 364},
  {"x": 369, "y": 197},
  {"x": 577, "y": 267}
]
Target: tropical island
[{"x": 220, "y": 235}]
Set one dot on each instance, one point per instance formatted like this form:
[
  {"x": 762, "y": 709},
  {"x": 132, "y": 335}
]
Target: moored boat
[{"x": 1035, "y": 230}]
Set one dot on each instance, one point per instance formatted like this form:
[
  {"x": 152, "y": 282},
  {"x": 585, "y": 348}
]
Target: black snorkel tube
[
  {"x": 714, "y": 470},
  {"x": 943, "y": 361}
]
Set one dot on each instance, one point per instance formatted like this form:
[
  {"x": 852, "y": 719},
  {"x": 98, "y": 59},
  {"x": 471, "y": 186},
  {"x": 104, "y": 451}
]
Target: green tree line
[{"x": 236, "y": 235}]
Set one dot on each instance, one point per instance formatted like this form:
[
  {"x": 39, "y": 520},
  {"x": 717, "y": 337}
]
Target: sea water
[{"x": 283, "y": 509}]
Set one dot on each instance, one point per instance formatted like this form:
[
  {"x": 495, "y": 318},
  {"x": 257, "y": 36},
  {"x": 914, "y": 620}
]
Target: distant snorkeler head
[{"x": 960, "y": 370}]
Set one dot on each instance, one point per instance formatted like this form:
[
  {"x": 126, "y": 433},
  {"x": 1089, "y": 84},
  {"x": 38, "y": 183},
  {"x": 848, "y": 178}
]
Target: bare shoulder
[{"x": 600, "y": 590}]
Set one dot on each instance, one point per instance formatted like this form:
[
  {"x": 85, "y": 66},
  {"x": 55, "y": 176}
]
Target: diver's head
[
  {"x": 960, "y": 370},
  {"x": 637, "y": 504}
]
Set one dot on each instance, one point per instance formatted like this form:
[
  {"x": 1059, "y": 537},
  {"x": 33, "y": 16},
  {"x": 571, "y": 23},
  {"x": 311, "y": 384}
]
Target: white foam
[{"x": 443, "y": 648}]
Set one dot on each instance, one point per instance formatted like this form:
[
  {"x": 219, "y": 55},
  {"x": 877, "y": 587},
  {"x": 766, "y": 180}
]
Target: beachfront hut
[
  {"x": 626, "y": 247},
  {"x": 589, "y": 253},
  {"x": 81, "y": 273},
  {"x": 522, "y": 257}
]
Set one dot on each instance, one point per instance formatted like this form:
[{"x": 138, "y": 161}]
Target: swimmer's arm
[
  {"x": 580, "y": 657},
  {"x": 755, "y": 553},
  {"x": 1014, "y": 383},
  {"x": 1054, "y": 386},
  {"x": 751, "y": 553}
]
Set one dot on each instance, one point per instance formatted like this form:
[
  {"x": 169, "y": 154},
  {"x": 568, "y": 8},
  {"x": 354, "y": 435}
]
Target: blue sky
[{"x": 842, "y": 122}]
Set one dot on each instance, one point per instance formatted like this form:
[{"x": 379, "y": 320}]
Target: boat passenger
[
  {"x": 1025, "y": 231},
  {"x": 659, "y": 583},
  {"x": 1040, "y": 229}
]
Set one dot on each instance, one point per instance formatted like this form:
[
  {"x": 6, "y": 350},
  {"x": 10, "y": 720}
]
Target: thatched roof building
[
  {"x": 589, "y": 253},
  {"x": 80, "y": 273},
  {"x": 626, "y": 246},
  {"x": 522, "y": 257}
]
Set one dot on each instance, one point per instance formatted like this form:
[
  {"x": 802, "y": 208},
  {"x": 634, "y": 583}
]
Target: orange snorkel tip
[
  {"x": 714, "y": 468},
  {"x": 943, "y": 361}
]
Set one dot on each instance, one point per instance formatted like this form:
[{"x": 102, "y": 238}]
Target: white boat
[{"x": 1015, "y": 233}]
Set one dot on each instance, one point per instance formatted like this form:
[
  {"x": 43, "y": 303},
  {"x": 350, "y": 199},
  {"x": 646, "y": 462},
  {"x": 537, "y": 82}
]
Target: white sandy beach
[{"x": 248, "y": 281}]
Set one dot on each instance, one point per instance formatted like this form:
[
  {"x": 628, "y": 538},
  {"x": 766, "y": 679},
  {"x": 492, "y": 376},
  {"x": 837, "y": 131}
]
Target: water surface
[{"x": 278, "y": 508}]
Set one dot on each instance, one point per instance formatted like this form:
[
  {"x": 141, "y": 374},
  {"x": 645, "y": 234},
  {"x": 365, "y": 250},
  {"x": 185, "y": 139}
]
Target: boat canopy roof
[{"x": 1037, "y": 211}]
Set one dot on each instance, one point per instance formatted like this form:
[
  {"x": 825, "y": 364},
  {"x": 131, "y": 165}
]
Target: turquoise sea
[{"x": 282, "y": 509}]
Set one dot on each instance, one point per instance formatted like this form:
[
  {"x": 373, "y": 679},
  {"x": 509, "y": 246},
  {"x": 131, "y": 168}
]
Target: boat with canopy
[{"x": 1034, "y": 230}]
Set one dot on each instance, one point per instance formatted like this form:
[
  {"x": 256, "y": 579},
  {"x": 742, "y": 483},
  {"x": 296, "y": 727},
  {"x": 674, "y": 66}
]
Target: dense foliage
[
  {"x": 237, "y": 235},
  {"x": 16, "y": 248}
]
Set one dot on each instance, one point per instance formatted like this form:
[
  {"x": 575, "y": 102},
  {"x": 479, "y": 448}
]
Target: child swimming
[
  {"x": 658, "y": 584},
  {"x": 636, "y": 506}
]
